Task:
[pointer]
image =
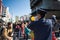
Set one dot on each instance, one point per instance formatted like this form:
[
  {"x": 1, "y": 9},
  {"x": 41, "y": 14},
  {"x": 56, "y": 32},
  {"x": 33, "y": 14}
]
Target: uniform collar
[{"x": 41, "y": 19}]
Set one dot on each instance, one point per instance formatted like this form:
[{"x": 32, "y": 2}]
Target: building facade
[
  {"x": 16, "y": 18},
  {"x": 0, "y": 8},
  {"x": 51, "y": 6},
  {"x": 7, "y": 14}
]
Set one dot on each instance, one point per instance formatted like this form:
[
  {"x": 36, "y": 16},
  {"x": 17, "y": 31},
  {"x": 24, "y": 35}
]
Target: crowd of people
[
  {"x": 21, "y": 29},
  {"x": 17, "y": 30}
]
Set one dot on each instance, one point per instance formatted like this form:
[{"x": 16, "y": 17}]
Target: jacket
[{"x": 41, "y": 28}]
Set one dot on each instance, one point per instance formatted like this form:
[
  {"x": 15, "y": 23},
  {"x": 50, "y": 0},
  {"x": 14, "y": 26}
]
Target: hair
[{"x": 9, "y": 23}]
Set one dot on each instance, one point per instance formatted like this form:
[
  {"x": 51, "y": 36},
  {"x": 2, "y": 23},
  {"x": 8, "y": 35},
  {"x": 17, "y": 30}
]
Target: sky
[{"x": 18, "y": 7}]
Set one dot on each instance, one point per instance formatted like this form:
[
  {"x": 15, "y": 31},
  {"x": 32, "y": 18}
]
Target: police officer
[{"x": 42, "y": 27}]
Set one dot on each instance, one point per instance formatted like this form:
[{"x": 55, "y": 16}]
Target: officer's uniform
[{"x": 41, "y": 28}]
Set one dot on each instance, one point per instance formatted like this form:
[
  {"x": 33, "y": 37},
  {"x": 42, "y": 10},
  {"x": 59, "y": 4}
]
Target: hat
[
  {"x": 41, "y": 11},
  {"x": 38, "y": 11},
  {"x": 54, "y": 17}
]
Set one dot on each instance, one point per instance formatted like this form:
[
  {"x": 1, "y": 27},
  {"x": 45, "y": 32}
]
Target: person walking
[
  {"x": 55, "y": 29},
  {"x": 10, "y": 30},
  {"x": 42, "y": 27}
]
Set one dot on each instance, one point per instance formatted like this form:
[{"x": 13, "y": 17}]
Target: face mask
[{"x": 36, "y": 18}]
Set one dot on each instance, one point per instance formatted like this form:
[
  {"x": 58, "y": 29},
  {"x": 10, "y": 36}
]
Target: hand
[{"x": 9, "y": 38}]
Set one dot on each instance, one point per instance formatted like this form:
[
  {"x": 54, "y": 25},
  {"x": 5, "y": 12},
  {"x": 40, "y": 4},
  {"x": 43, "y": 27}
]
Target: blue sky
[{"x": 18, "y": 7}]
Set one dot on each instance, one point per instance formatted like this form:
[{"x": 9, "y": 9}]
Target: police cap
[
  {"x": 38, "y": 11},
  {"x": 41, "y": 11}
]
